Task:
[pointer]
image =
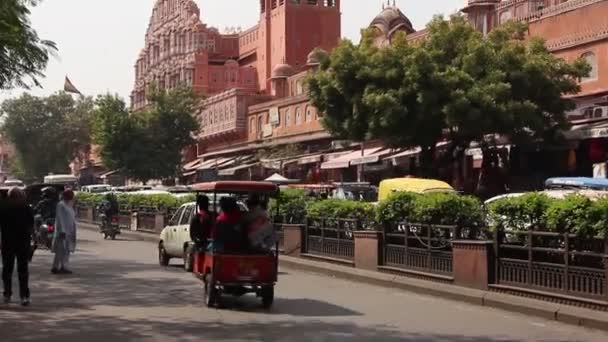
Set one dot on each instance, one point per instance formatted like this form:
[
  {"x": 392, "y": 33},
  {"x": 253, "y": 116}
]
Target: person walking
[
  {"x": 64, "y": 238},
  {"x": 16, "y": 227}
]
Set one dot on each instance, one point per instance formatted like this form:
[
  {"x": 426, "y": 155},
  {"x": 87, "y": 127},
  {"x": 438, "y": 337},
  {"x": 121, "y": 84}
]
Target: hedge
[
  {"x": 159, "y": 201},
  {"x": 433, "y": 208},
  {"x": 291, "y": 205},
  {"x": 575, "y": 214},
  {"x": 339, "y": 208}
]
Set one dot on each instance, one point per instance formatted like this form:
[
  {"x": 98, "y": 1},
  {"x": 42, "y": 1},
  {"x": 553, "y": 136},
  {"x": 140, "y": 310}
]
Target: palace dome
[
  {"x": 316, "y": 56},
  {"x": 282, "y": 71},
  {"x": 391, "y": 19}
]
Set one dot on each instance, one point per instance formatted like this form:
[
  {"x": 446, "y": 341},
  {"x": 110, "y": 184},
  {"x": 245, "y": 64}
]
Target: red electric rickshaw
[{"x": 237, "y": 273}]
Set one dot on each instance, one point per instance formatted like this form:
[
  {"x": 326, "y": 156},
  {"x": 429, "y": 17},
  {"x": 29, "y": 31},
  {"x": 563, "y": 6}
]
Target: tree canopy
[
  {"x": 24, "y": 55},
  {"x": 47, "y": 132},
  {"x": 146, "y": 145},
  {"x": 455, "y": 84}
]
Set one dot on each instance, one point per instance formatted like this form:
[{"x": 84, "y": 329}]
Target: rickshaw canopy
[
  {"x": 237, "y": 187},
  {"x": 417, "y": 185}
]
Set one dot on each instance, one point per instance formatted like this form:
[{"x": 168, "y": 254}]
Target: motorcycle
[
  {"x": 43, "y": 235},
  {"x": 110, "y": 228}
]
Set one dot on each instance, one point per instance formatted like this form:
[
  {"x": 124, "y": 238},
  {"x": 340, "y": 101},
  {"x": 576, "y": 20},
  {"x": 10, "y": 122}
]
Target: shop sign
[
  {"x": 274, "y": 116},
  {"x": 365, "y": 160},
  {"x": 594, "y": 133},
  {"x": 374, "y": 168}
]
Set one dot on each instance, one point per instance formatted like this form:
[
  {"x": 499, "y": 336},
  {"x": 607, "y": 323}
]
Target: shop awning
[
  {"x": 192, "y": 165},
  {"x": 372, "y": 158},
  {"x": 109, "y": 173},
  {"x": 231, "y": 171},
  {"x": 317, "y": 158},
  {"x": 344, "y": 161},
  {"x": 188, "y": 174},
  {"x": 590, "y": 130},
  {"x": 213, "y": 163}
]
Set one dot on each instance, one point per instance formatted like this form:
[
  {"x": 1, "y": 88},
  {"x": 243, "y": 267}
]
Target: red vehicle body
[{"x": 237, "y": 274}]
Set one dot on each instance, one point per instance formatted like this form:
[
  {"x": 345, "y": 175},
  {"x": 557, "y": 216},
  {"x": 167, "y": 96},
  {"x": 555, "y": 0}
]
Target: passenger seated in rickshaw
[
  {"x": 228, "y": 234},
  {"x": 202, "y": 223},
  {"x": 259, "y": 228}
]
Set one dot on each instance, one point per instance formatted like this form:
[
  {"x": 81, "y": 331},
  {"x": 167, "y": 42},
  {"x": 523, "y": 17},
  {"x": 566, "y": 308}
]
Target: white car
[{"x": 175, "y": 239}]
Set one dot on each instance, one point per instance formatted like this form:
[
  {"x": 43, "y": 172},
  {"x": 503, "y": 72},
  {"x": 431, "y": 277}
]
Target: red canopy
[{"x": 237, "y": 187}]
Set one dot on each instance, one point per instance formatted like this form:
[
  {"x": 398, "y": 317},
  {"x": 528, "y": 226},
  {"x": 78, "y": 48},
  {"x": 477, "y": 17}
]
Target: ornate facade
[{"x": 254, "y": 79}]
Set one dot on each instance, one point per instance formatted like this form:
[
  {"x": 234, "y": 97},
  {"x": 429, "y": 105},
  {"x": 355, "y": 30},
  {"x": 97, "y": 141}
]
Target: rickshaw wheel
[
  {"x": 105, "y": 236},
  {"x": 113, "y": 236},
  {"x": 267, "y": 296},
  {"x": 163, "y": 258},
  {"x": 211, "y": 292}
]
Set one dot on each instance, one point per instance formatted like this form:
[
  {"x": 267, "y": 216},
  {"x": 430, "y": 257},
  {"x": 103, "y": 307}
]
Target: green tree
[
  {"x": 456, "y": 84},
  {"x": 146, "y": 145},
  {"x": 23, "y": 56},
  {"x": 47, "y": 132}
]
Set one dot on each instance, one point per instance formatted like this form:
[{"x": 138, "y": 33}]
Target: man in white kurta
[{"x": 64, "y": 238}]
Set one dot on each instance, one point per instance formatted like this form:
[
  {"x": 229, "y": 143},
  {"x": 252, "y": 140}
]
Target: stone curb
[{"x": 527, "y": 306}]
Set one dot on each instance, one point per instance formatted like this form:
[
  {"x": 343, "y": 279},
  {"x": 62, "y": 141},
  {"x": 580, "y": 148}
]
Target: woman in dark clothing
[
  {"x": 201, "y": 223},
  {"x": 229, "y": 234},
  {"x": 17, "y": 223}
]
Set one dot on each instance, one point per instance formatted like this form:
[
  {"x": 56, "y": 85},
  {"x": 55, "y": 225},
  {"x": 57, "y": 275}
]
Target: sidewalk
[{"x": 528, "y": 306}]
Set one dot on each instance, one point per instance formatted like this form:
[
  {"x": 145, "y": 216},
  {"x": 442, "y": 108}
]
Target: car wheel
[
  {"x": 163, "y": 258},
  {"x": 188, "y": 259},
  {"x": 267, "y": 296}
]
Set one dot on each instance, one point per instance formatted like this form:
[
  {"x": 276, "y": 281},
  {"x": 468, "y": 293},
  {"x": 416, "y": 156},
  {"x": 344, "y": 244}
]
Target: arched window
[
  {"x": 252, "y": 125},
  {"x": 299, "y": 89},
  {"x": 309, "y": 114},
  {"x": 288, "y": 118},
  {"x": 298, "y": 116},
  {"x": 592, "y": 61},
  {"x": 260, "y": 123}
]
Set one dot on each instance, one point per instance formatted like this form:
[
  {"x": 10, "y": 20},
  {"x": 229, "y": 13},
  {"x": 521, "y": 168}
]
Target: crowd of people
[{"x": 17, "y": 228}]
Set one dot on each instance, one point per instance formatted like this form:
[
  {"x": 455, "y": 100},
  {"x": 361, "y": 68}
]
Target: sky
[{"x": 99, "y": 41}]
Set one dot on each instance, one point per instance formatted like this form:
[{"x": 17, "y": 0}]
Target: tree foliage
[
  {"x": 23, "y": 55},
  {"x": 456, "y": 84},
  {"x": 146, "y": 145},
  {"x": 47, "y": 132}
]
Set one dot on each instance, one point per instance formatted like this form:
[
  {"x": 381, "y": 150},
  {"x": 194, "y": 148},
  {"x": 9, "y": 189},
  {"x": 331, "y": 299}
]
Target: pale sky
[{"x": 98, "y": 41}]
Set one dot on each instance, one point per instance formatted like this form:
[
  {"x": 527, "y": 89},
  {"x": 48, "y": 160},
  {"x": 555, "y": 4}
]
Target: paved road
[{"x": 119, "y": 293}]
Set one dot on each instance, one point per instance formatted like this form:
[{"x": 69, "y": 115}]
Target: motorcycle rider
[
  {"x": 109, "y": 207},
  {"x": 48, "y": 204}
]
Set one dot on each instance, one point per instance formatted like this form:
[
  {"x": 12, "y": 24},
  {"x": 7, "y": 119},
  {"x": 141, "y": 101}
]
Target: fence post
[
  {"x": 530, "y": 256},
  {"x": 367, "y": 249},
  {"x": 134, "y": 221},
  {"x": 496, "y": 256},
  {"x": 566, "y": 283},
  {"x": 606, "y": 266},
  {"x": 429, "y": 244},
  {"x": 472, "y": 263},
  {"x": 292, "y": 239}
]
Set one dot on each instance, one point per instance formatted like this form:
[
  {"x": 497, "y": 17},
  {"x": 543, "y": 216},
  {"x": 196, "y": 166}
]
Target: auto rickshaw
[
  {"x": 239, "y": 273},
  {"x": 417, "y": 185}
]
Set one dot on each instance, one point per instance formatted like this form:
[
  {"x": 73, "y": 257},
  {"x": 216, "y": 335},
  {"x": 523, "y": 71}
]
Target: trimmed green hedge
[
  {"x": 433, "y": 208},
  {"x": 338, "y": 208},
  {"x": 292, "y": 205},
  {"x": 160, "y": 201},
  {"x": 575, "y": 214}
]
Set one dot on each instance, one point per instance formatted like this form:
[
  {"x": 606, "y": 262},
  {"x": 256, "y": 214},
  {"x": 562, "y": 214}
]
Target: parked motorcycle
[
  {"x": 110, "y": 228},
  {"x": 43, "y": 234}
]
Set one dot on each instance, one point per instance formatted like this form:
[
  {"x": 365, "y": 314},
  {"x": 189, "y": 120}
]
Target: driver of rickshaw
[
  {"x": 228, "y": 234},
  {"x": 202, "y": 223}
]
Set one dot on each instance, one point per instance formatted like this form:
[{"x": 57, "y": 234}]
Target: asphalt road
[{"x": 119, "y": 293}]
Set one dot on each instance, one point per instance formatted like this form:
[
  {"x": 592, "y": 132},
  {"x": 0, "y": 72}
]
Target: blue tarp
[{"x": 577, "y": 182}]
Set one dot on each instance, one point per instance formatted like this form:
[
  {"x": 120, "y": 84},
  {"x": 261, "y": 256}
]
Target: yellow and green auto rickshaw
[{"x": 417, "y": 185}]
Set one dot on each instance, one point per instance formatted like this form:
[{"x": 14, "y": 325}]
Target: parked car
[
  {"x": 96, "y": 189},
  {"x": 175, "y": 237},
  {"x": 363, "y": 192},
  {"x": 417, "y": 185}
]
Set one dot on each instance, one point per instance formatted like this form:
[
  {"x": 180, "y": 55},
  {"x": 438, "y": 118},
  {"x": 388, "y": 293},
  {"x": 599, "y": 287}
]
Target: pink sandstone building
[{"x": 253, "y": 80}]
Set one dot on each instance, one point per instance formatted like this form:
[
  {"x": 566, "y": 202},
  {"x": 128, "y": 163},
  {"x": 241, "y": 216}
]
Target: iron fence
[
  {"x": 553, "y": 262},
  {"x": 331, "y": 237},
  {"x": 419, "y": 247},
  {"x": 278, "y": 222},
  {"x": 146, "y": 219}
]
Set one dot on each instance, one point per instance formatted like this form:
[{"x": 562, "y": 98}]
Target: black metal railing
[
  {"x": 331, "y": 237},
  {"x": 278, "y": 222},
  {"x": 553, "y": 262},
  {"x": 419, "y": 247}
]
